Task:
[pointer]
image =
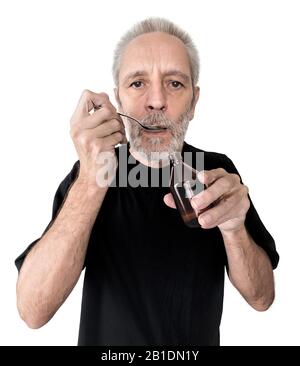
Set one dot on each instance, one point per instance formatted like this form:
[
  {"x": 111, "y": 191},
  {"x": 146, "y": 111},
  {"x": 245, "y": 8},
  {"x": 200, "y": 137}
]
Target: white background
[{"x": 248, "y": 109}]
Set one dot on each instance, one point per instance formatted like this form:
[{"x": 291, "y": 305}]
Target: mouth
[{"x": 156, "y": 132}]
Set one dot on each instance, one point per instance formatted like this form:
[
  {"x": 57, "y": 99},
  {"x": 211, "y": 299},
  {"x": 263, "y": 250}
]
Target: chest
[{"x": 137, "y": 225}]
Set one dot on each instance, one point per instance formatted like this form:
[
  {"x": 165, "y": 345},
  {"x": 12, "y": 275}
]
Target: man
[{"x": 149, "y": 280}]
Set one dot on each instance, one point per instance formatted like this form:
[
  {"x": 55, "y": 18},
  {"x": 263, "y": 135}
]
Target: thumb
[{"x": 169, "y": 200}]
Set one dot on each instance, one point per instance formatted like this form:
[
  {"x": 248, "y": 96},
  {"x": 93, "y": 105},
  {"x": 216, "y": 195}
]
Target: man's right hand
[{"x": 95, "y": 136}]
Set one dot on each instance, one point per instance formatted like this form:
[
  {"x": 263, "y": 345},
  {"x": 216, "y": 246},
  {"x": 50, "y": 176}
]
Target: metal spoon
[{"x": 148, "y": 128}]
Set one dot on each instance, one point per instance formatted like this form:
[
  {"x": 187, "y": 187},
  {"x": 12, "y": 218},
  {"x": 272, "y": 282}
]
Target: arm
[
  {"x": 250, "y": 269},
  {"x": 53, "y": 266}
]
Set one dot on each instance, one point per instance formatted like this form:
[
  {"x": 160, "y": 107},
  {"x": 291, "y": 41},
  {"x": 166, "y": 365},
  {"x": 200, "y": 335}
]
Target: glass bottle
[{"x": 185, "y": 184}]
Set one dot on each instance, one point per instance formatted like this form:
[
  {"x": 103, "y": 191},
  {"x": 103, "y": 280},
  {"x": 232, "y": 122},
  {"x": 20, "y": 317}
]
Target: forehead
[{"x": 155, "y": 51}]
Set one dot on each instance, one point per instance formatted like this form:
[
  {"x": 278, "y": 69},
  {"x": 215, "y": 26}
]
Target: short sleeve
[
  {"x": 253, "y": 223},
  {"x": 60, "y": 196}
]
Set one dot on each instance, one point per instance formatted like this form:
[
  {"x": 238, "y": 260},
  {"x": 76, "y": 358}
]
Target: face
[{"x": 155, "y": 86}]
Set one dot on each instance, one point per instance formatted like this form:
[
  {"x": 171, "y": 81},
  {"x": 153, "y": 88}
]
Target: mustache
[{"x": 158, "y": 119}]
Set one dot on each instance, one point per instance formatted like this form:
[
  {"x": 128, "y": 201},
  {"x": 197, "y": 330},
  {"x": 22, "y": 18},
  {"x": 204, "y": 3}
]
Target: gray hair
[{"x": 150, "y": 25}]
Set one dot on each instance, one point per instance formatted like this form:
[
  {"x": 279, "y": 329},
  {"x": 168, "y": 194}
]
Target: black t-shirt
[{"x": 150, "y": 279}]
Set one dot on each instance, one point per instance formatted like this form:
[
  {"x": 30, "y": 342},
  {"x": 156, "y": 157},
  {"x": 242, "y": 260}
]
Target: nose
[{"x": 156, "y": 99}]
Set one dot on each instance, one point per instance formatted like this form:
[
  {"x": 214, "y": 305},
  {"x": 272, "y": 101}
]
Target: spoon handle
[
  {"x": 152, "y": 129},
  {"x": 124, "y": 115}
]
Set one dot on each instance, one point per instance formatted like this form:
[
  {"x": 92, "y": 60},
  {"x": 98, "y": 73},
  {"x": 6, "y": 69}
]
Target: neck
[
  {"x": 148, "y": 162},
  {"x": 153, "y": 163}
]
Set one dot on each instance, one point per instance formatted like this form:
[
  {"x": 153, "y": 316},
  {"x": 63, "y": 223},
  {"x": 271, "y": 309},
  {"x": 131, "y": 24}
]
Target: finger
[
  {"x": 106, "y": 113},
  {"x": 226, "y": 209},
  {"x": 169, "y": 200},
  {"x": 220, "y": 187},
  {"x": 89, "y": 99},
  {"x": 121, "y": 119},
  {"x": 208, "y": 177},
  {"x": 112, "y": 140},
  {"x": 109, "y": 127},
  {"x": 87, "y": 136},
  {"x": 103, "y": 130},
  {"x": 124, "y": 140}
]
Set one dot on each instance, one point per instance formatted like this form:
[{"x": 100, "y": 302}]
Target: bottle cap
[{"x": 175, "y": 157}]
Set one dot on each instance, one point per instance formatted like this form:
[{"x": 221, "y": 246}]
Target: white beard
[{"x": 154, "y": 148}]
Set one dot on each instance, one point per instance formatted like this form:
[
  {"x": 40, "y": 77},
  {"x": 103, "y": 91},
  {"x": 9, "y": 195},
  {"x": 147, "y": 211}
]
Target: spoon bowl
[{"x": 148, "y": 128}]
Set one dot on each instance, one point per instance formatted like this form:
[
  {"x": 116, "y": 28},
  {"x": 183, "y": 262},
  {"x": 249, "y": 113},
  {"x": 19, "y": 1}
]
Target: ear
[
  {"x": 116, "y": 91},
  {"x": 194, "y": 102}
]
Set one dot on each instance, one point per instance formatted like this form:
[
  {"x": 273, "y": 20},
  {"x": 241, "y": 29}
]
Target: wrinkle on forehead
[{"x": 155, "y": 52}]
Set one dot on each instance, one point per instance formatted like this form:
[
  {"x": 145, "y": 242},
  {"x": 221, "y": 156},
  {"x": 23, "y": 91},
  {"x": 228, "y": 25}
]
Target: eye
[
  {"x": 176, "y": 84},
  {"x": 136, "y": 84}
]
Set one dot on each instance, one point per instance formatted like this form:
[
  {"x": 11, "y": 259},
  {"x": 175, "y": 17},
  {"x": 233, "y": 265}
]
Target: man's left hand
[{"x": 228, "y": 197}]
